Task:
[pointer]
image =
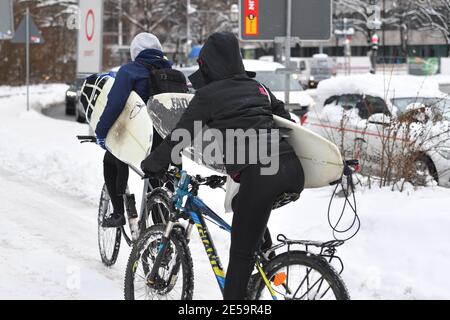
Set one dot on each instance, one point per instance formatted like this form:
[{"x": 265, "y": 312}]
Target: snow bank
[{"x": 45, "y": 149}]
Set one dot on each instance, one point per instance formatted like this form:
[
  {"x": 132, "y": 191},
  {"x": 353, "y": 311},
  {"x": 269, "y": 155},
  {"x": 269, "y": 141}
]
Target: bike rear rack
[{"x": 327, "y": 249}]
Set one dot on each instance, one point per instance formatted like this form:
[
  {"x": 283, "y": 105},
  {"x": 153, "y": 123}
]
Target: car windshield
[
  {"x": 79, "y": 82},
  {"x": 188, "y": 72},
  {"x": 276, "y": 82},
  {"x": 442, "y": 104}
]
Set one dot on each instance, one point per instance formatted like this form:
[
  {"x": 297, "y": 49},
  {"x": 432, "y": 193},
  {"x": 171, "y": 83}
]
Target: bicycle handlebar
[
  {"x": 213, "y": 181},
  {"x": 216, "y": 181},
  {"x": 352, "y": 163},
  {"x": 84, "y": 139},
  {"x": 350, "y": 166}
]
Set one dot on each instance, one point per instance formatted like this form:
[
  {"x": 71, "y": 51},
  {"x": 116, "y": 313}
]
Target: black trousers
[
  {"x": 116, "y": 175},
  {"x": 252, "y": 207}
]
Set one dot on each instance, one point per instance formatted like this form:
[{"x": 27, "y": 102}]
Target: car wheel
[
  {"x": 70, "y": 108},
  {"x": 79, "y": 117},
  {"x": 424, "y": 172}
]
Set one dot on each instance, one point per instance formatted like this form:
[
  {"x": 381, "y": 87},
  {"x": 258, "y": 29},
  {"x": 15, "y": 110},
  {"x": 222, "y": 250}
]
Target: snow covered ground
[{"x": 49, "y": 188}]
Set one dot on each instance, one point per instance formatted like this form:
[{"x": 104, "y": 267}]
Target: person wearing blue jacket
[{"x": 145, "y": 50}]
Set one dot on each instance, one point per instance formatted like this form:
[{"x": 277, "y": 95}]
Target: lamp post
[
  {"x": 374, "y": 23},
  {"x": 27, "y": 49},
  {"x": 189, "y": 11},
  {"x": 234, "y": 17},
  {"x": 234, "y": 13},
  {"x": 188, "y": 27},
  {"x": 345, "y": 30}
]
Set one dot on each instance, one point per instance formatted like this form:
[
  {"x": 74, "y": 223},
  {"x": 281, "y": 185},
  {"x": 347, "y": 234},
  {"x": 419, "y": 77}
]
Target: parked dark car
[
  {"x": 80, "y": 111},
  {"x": 72, "y": 95}
]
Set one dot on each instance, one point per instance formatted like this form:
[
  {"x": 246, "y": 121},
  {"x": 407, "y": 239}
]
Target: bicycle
[
  {"x": 109, "y": 239},
  {"x": 162, "y": 253}
]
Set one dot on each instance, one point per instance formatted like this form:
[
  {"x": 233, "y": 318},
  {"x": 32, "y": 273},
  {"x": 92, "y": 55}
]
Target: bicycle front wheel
[
  {"x": 159, "y": 205},
  {"x": 296, "y": 275},
  {"x": 175, "y": 276},
  {"x": 108, "y": 238}
]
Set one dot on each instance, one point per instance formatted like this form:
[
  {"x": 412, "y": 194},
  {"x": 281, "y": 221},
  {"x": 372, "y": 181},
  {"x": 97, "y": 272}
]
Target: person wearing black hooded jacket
[{"x": 228, "y": 98}]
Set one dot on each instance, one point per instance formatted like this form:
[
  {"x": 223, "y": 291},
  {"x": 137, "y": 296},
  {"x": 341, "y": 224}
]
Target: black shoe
[{"x": 115, "y": 220}]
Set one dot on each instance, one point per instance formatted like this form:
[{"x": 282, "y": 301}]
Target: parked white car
[
  {"x": 266, "y": 74},
  {"x": 358, "y": 113}
]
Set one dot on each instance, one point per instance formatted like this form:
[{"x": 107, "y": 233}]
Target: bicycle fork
[{"x": 162, "y": 249}]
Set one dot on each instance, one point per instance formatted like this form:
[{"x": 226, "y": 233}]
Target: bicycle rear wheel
[
  {"x": 175, "y": 276},
  {"x": 108, "y": 238},
  {"x": 296, "y": 275}
]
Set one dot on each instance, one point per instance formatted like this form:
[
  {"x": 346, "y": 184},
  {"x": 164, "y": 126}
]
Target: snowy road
[
  {"x": 49, "y": 246},
  {"x": 58, "y": 111}
]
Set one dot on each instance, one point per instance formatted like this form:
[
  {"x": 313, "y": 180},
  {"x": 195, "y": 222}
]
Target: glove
[
  {"x": 151, "y": 170},
  {"x": 102, "y": 143}
]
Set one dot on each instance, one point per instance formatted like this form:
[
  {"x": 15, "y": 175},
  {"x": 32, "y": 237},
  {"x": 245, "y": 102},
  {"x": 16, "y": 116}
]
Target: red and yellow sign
[{"x": 251, "y": 21}]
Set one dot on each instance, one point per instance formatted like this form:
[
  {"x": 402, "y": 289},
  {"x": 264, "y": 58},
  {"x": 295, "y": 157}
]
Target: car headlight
[
  {"x": 444, "y": 152},
  {"x": 71, "y": 94}
]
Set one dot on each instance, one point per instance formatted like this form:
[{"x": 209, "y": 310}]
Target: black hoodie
[{"x": 226, "y": 98}]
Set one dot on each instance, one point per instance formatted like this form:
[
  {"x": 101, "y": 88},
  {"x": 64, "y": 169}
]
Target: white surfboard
[
  {"x": 165, "y": 110},
  {"x": 130, "y": 138},
  {"x": 321, "y": 159}
]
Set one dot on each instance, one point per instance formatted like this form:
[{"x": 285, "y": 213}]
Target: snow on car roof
[
  {"x": 383, "y": 86},
  {"x": 187, "y": 69},
  {"x": 249, "y": 65}
]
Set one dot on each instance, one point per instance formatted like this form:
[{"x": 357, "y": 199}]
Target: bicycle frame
[
  {"x": 197, "y": 209},
  {"x": 194, "y": 208}
]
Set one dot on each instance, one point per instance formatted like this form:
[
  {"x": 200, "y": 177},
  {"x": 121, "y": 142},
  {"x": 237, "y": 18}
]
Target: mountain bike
[
  {"x": 109, "y": 239},
  {"x": 160, "y": 264}
]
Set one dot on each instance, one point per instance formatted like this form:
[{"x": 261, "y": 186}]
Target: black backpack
[{"x": 165, "y": 80}]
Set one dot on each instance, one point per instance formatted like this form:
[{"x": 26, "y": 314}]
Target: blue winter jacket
[{"x": 131, "y": 77}]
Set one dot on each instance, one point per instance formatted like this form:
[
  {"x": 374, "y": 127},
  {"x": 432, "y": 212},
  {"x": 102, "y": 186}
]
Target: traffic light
[{"x": 375, "y": 42}]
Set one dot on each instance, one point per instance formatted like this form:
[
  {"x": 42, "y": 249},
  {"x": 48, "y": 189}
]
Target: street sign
[
  {"x": 344, "y": 28},
  {"x": 6, "y": 20},
  {"x": 27, "y": 33},
  {"x": 90, "y": 37},
  {"x": 288, "y": 71},
  {"x": 374, "y": 21},
  {"x": 263, "y": 20},
  {"x": 21, "y": 34}
]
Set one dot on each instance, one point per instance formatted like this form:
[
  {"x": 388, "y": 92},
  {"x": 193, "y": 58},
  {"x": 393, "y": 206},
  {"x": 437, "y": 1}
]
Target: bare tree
[
  {"x": 50, "y": 17},
  {"x": 402, "y": 15},
  {"x": 432, "y": 15}
]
